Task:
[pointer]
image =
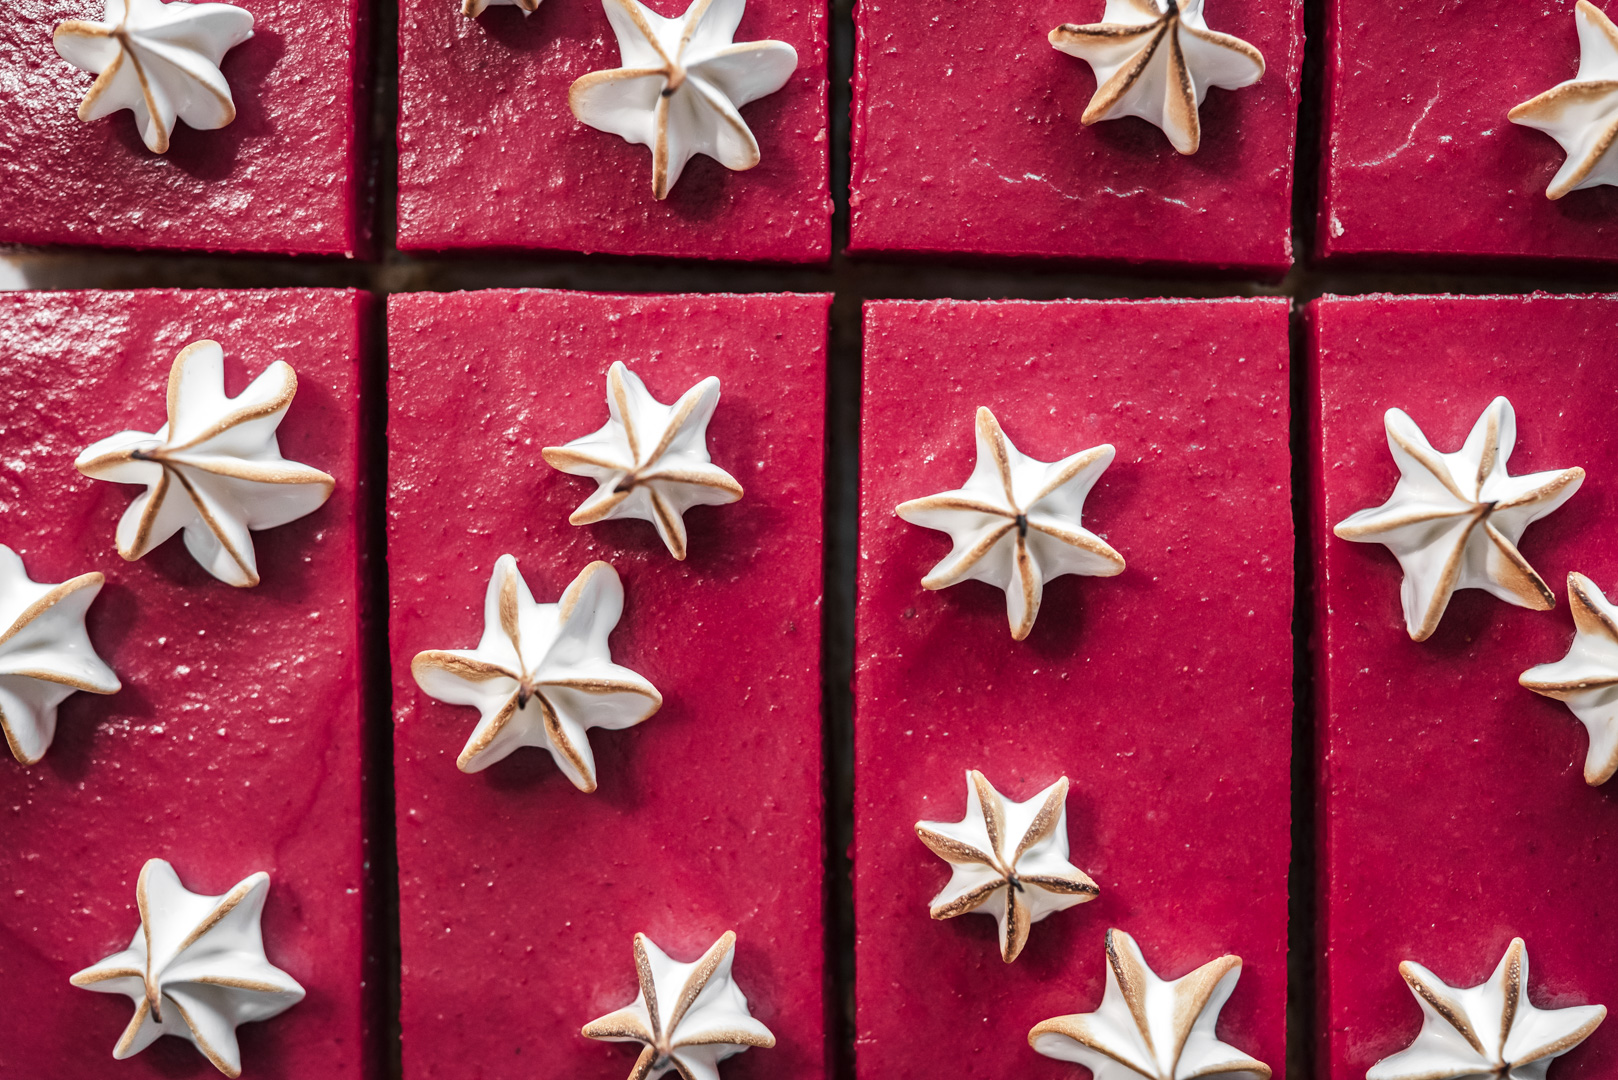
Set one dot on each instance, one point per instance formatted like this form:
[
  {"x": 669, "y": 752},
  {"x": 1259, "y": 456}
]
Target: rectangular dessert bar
[
  {"x": 1163, "y": 694},
  {"x": 1419, "y": 160},
  {"x": 287, "y": 176},
  {"x": 238, "y": 742},
  {"x": 1452, "y": 811},
  {"x": 966, "y": 141},
  {"x": 491, "y": 156},
  {"x": 520, "y": 894}
]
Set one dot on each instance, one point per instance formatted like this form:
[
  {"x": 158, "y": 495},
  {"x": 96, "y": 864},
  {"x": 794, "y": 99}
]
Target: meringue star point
[
  {"x": 1582, "y": 113},
  {"x": 1454, "y": 520},
  {"x": 473, "y": 8},
  {"x": 1488, "y": 1030},
  {"x": 650, "y": 461},
  {"x": 214, "y": 470},
  {"x": 45, "y": 654},
  {"x": 542, "y": 675},
  {"x": 1586, "y": 679},
  {"x": 1157, "y": 63},
  {"x": 1014, "y": 855},
  {"x": 688, "y": 1017},
  {"x": 159, "y": 60},
  {"x": 196, "y": 967},
  {"x": 1017, "y": 523},
  {"x": 679, "y": 85},
  {"x": 1148, "y": 1028}
]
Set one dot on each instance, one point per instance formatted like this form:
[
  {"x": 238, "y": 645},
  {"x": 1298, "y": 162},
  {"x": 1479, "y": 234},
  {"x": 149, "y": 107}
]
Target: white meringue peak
[
  {"x": 689, "y": 1017},
  {"x": 542, "y": 675},
  {"x": 680, "y": 83},
  {"x": 195, "y": 968},
  {"x": 1454, "y": 520},
  {"x": 1013, "y": 853},
  {"x": 1149, "y": 1028},
  {"x": 1490, "y": 1030},
  {"x": 1586, "y": 679},
  {"x": 1157, "y": 63},
  {"x": 1582, "y": 113},
  {"x": 650, "y": 460},
  {"x": 45, "y": 654},
  {"x": 1016, "y": 523},
  {"x": 160, "y": 60},
  {"x": 214, "y": 470}
]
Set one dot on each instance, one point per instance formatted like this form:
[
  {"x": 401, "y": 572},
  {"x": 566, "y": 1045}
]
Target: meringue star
[
  {"x": 1586, "y": 679},
  {"x": 196, "y": 967},
  {"x": 1490, "y": 1031},
  {"x": 1148, "y": 1028},
  {"x": 159, "y": 60},
  {"x": 689, "y": 1016},
  {"x": 1016, "y": 524},
  {"x": 542, "y": 675},
  {"x": 1157, "y": 63},
  {"x": 215, "y": 469},
  {"x": 680, "y": 84},
  {"x": 1015, "y": 853},
  {"x": 651, "y": 460},
  {"x": 45, "y": 654},
  {"x": 1582, "y": 113},
  {"x": 1454, "y": 520}
]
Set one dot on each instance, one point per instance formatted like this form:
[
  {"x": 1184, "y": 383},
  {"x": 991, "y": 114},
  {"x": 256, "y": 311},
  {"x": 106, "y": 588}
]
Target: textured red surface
[
  {"x": 1164, "y": 694},
  {"x": 966, "y": 138},
  {"x": 1453, "y": 810},
  {"x": 236, "y": 743},
  {"x": 1419, "y": 158},
  {"x": 490, "y": 155},
  {"x": 708, "y": 815},
  {"x": 284, "y": 177}
]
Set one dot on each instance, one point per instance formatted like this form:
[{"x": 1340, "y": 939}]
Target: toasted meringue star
[
  {"x": 542, "y": 675},
  {"x": 1487, "y": 1031},
  {"x": 1013, "y": 853},
  {"x": 1454, "y": 520},
  {"x": 196, "y": 967},
  {"x": 1586, "y": 679},
  {"x": 159, "y": 60},
  {"x": 690, "y": 1017},
  {"x": 215, "y": 469},
  {"x": 1157, "y": 63},
  {"x": 650, "y": 460},
  {"x": 1016, "y": 523},
  {"x": 680, "y": 84},
  {"x": 1582, "y": 113},
  {"x": 45, "y": 654},
  {"x": 1148, "y": 1028}
]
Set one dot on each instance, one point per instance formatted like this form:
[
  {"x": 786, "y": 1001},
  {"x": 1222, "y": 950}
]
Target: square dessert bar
[
  {"x": 287, "y": 176},
  {"x": 1163, "y": 694},
  {"x": 1419, "y": 159},
  {"x": 521, "y": 892},
  {"x": 491, "y": 156},
  {"x": 238, "y": 742},
  {"x": 967, "y": 141},
  {"x": 1452, "y": 810}
]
